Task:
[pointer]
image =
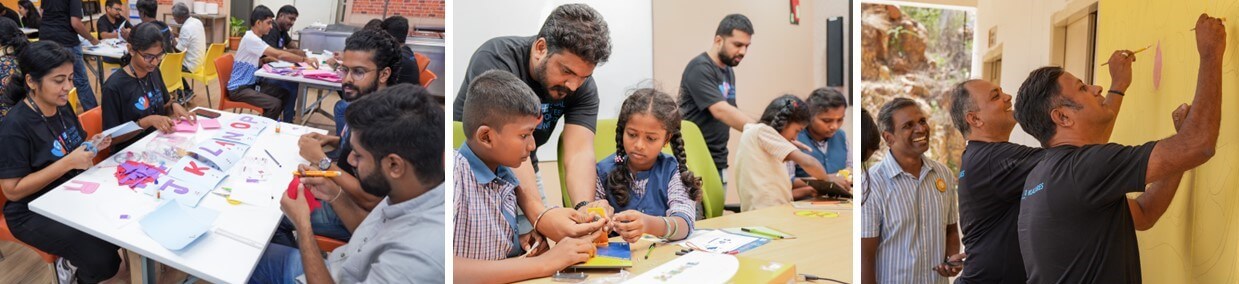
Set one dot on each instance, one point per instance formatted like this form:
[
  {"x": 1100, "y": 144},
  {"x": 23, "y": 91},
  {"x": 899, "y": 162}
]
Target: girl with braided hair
[
  {"x": 653, "y": 192},
  {"x": 765, "y": 147}
]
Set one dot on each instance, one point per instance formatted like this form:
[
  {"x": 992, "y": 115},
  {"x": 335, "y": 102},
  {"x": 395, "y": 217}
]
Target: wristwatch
[{"x": 324, "y": 164}]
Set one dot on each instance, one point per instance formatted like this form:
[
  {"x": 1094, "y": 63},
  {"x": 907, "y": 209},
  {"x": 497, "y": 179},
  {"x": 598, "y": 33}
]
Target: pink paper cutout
[
  {"x": 1157, "y": 67},
  {"x": 209, "y": 123},
  {"x": 85, "y": 187},
  {"x": 186, "y": 126}
]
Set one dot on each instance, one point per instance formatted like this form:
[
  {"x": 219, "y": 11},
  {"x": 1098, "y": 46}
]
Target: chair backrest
[
  {"x": 697, "y": 158},
  {"x": 424, "y": 75},
  {"x": 74, "y": 101},
  {"x": 170, "y": 68},
  {"x": 92, "y": 123},
  {"x": 426, "y": 78},
  {"x": 423, "y": 61},
  {"x": 223, "y": 69},
  {"x": 458, "y": 134},
  {"x": 214, "y": 52}
]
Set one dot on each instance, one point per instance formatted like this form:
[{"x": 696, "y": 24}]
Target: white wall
[
  {"x": 631, "y": 60},
  {"x": 308, "y": 11}
]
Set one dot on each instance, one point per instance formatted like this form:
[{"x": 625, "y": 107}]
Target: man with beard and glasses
[
  {"x": 369, "y": 61},
  {"x": 558, "y": 64},
  {"x": 403, "y": 240},
  {"x": 909, "y": 219},
  {"x": 708, "y": 88}
]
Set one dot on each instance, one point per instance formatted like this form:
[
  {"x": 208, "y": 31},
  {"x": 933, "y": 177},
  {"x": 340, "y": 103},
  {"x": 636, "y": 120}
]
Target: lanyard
[{"x": 47, "y": 124}]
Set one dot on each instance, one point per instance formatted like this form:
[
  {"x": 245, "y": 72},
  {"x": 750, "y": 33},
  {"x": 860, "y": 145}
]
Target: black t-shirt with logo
[
  {"x": 1074, "y": 223},
  {"x": 32, "y": 142},
  {"x": 126, "y": 99},
  {"x": 703, "y": 84},
  {"x": 511, "y": 53},
  {"x": 991, "y": 182}
]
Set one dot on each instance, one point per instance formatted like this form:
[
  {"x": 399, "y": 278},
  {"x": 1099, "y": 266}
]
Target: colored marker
[
  {"x": 760, "y": 233},
  {"x": 649, "y": 250}
]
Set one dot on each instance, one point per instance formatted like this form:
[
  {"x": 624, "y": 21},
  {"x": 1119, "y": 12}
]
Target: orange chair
[
  {"x": 426, "y": 76},
  {"x": 223, "y": 67},
  {"x": 92, "y": 123},
  {"x": 6, "y": 235},
  {"x": 327, "y": 244}
]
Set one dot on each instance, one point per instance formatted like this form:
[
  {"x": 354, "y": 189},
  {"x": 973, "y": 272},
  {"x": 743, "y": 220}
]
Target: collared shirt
[
  {"x": 909, "y": 214},
  {"x": 485, "y": 207},
  {"x": 396, "y": 243},
  {"x": 192, "y": 41}
]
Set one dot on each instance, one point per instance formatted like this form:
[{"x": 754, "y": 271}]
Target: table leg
[
  {"x": 141, "y": 268},
  {"x": 301, "y": 93},
  {"x": 99, "y": 74}
]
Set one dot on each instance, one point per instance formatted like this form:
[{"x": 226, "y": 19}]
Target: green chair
[
  {"x": 697, "y": 154},
  {"x": 458, "y": 134}
]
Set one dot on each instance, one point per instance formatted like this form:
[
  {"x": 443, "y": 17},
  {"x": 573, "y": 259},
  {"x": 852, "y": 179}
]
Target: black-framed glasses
[{"x": 152, "y": 59}]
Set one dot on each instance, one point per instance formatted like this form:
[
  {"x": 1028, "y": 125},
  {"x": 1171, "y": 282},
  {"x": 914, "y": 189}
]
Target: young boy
[
  {"x": 500, "y": 116},
  {"x": 243, "y": 86}
]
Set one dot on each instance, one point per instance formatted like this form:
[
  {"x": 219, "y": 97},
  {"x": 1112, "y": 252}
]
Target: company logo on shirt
[
  {"x": 142, "y": 103},
  {"x": 1032, "y": 191},
  {"x": 551, "y": 112},
  {"x": 727, "y": 90},
  {"x": 60, "y": 150},
  {"x": 961, "y": 174}
]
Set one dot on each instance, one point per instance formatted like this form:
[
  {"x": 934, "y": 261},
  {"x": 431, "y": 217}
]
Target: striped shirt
[
  {"x": 484, "y": 201},
  {"x": 678, "y": 203},
  {"x": 909, "y": 215}
]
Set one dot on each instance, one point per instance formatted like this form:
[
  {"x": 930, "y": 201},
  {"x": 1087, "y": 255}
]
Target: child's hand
[
  {"x": 841, "y": 182},
  {"x": 630, "y": 225},
  {"x": 571, "y": 224},
  {"x": 601, "y": 203},
  {"x": 527, "y": 242},
  {"x": 569, "y": 251}
]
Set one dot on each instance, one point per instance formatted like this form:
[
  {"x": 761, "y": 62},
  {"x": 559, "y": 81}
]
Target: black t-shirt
[
  {"x": 55, "y": 26},
  {"x": 109, "y": 25},
  {"x": 277, "y": 38},
  {"x": 991, "y": 182},
  {"x": 30, "y": 146},
  {"x": 1074, "y": 223},
  {"x": 126, "y": 99},
  {"x": 511, "y": 53},
  {"x": 409, "y": 73},
  {"x": 704, "y": 84}
]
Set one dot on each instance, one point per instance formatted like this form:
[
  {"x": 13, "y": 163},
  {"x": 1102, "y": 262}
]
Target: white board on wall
[{"x": 630, "y": 65}]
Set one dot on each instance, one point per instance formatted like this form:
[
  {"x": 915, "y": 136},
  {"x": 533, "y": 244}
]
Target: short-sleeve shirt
[
  {"x": 703, "y": 84},
  {"x": 245, "y": 61},
  {"x": 126, "y": 99},
  {"x": 56, "y": 16},
  {"x": 909, "y": 213},
  {"x": 991, "y": 182},
  {"x": 511, "y": 53},
  {"x": 485, "y": 227},
  {"x": 109, "y": 25},
  {"x": 1074, "y": 223},
  {"x": 763, "y": 177},
  {"x": 396, "y": 243},
  {"x": 31, "y": 146},
  {"x": 192, "y": 41}
]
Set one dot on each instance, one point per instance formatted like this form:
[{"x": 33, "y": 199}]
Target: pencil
[
  {"x": 760, "y": 233},
  {"x": 277, "y": 162},
  {"x": 318, "y": 174},
  {"x": 1132, "y": 53},
  {"x": 649, "y": 250}
]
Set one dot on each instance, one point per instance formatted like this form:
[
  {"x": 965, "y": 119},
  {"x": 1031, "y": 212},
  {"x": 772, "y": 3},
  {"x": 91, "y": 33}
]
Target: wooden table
[{"x": 822, "y": 247}]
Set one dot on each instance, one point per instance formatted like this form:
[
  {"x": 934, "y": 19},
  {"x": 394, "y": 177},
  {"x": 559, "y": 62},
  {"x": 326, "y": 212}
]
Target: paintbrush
[{"x": 1132, "y": 53}]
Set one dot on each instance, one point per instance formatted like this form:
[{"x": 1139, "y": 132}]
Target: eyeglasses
[
  {"x": 152, "y": 59},
  {"x": 357, "y": 73}
]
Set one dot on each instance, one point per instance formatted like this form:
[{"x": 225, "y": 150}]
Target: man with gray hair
[
  {"x": 993, "y": 170},
  {"x": 191, "y": 39}
]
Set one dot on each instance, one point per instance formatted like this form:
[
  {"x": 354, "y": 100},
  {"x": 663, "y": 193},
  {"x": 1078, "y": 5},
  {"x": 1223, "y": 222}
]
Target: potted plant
[{"x": 236, "y": 29}]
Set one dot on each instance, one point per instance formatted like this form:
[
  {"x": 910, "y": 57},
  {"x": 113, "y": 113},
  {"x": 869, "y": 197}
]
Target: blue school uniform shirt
[
  {"x": 655, "y": 192},
  {"x": 835, "y": 157}
]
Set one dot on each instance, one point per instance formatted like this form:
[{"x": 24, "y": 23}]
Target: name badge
[{"x": 941, "y": 185}]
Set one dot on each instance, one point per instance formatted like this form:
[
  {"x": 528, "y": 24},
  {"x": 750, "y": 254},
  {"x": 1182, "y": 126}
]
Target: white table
[
  {"x": 110, "y": 48},
  {"x": 303, "y": 84},
  {"x": 215, "y": 257}
]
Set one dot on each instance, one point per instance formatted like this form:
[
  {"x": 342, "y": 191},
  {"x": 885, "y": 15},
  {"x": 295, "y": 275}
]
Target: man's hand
[
  {"x": 295, "y": 208},
  {"x": 322, "y": 187},
  {"x": 1120, "y": 69},
  {"x": 572, "y": 223},
  {"x": 311, "y": 149},
  {"x": 953, "y": 265},
  {"x": 1179, "y": 114},
  {"x": 1210, "y": 37}
]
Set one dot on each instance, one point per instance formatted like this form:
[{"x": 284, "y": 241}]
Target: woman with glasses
[{"x": 137, "y": 92}]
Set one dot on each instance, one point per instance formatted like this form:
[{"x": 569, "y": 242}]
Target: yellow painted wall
[{"x": 1197, "y": 240}]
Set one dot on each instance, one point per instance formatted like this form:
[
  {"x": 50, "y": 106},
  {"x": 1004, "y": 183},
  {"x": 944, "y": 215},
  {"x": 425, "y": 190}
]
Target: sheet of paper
[
  {"x": 194, "y": 173},
  {"x": 122, "y": 130},
  {"x": 121, "y": 212},
  {"x": 85, "y": 187},
  {"x": 174, "y": 226},
  {"x": 694, "y": 267},
  {"x": 220, "y": 154},
  {"x": 186, "y": 126},
  {"x": 718, "y": 241}
]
